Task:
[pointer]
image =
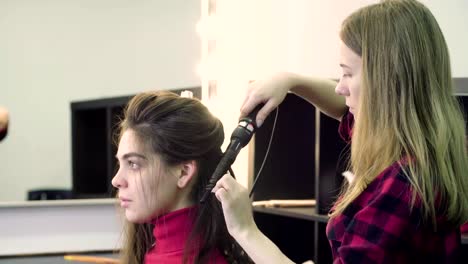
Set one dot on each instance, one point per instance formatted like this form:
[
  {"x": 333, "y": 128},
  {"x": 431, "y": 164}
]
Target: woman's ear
[{"x": 187, "y": 171}]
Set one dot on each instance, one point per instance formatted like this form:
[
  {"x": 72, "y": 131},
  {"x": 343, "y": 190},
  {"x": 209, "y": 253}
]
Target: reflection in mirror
[{"x": 57, "y": 52}]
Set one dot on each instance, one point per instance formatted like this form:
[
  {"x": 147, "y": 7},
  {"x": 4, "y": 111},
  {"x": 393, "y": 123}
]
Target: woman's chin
[{"x": 135, "y": 218}]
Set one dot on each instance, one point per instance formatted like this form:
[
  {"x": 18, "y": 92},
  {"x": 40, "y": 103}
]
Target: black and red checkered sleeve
[{"x": 378, "y": 227}]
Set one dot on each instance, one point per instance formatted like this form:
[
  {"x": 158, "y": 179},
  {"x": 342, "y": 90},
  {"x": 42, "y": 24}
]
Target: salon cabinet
[
  {"x": 304, "y": 162},
  {"x": 93, "y": 127}
]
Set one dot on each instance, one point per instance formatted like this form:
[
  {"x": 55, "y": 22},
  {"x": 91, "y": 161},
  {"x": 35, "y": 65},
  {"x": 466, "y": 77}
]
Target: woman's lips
[{"x": 124, "y": 202}]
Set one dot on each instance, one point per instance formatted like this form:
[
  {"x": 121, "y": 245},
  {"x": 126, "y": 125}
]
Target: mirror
[{"x": 57, "y": 52}]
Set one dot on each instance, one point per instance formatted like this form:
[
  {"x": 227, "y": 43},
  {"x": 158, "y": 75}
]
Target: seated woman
[{"x": 169, "y": 146}]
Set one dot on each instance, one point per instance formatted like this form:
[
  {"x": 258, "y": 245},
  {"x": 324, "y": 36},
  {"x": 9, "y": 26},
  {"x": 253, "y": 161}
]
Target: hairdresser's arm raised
[
  {"x": 234, "y": 197},
  {"x": 272, "y": 91}
]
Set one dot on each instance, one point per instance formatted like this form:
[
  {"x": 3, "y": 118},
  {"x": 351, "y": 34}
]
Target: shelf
[
  {"x": 60, "y": 203},
  {"x": 306, "y": 213}
]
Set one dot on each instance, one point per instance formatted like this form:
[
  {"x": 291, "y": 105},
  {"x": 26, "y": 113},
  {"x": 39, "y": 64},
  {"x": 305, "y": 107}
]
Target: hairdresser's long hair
[
  {"x": 407, "y": 109},
  {"x": 180, "y": 129}
]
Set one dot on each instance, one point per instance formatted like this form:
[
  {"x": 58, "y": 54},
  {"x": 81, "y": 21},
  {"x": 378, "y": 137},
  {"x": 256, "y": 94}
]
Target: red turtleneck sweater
[{"x": 171, "y": 232}]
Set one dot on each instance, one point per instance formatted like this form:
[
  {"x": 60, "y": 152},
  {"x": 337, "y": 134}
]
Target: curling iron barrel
[{"x": 239, "y": 138}]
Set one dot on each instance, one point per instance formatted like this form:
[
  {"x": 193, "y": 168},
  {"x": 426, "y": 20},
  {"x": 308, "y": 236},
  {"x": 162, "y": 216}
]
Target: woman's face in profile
[
  {"x": 350, "y": 81},
  {"x": 146, "y": 188}
]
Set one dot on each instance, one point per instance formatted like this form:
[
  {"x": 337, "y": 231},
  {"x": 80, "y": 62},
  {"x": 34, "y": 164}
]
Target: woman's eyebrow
[
  {"x": 344, "y": 66},
  {"x": 132, "y": 154}
]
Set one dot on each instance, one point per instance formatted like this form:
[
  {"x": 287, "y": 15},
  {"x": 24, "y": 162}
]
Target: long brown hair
[
  {"x": 407, "y": 108},
  {"x": 181, "y": 129}
]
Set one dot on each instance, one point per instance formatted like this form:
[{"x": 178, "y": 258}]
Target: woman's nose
[
  {"x": 118, "y": 181},
  {"x": 342, "y": 89}
]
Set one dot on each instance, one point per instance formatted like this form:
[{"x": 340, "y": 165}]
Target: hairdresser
[{"x": 394, "y": 102}]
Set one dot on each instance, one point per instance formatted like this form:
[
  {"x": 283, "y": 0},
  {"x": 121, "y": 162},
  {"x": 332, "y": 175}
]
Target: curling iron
[{"x": 239, "y": 138}]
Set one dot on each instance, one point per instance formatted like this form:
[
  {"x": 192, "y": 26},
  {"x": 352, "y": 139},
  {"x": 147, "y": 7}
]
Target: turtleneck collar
[{"x": 172, "y": 230}]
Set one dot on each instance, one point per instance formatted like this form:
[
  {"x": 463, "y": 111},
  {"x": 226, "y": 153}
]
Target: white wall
[
  {"x": 53, "y": 52},
  {"x": 324, "y": 20},
  {"x": 302, "y": 35},
  {"x": 453, "y": 19}
]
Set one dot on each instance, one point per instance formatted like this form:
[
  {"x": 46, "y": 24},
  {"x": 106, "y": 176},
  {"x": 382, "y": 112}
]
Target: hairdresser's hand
[
  {"x": 236, "y": 205},
  {"x": 237, "y": 210},
  {"x": 271, "y": 91}
]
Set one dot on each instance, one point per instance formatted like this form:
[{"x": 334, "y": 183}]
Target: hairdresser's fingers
[
  {"x": 221, "y": 183},
  {"x": 264, "y": 112},
  {"x": 270, "y": 91},
  {"x": 230, "y": 189},
  {"x": 252, "y": 87},
  {"x": 223, "y": 191},
  {"x": 227, "y": 182},
  {"x": 250, "y": 103},
  {"x": 216, "y": 188},
  {"x": 246, "y": 99},
  {"x": 221, "y": 195},
  {"x": 258, "y": 92},
  {"x": 236, "y": 205}
]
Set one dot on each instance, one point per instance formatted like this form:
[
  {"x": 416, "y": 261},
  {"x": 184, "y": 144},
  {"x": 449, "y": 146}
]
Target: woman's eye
[
  {"x": 346, "y": 75},
  {"x": 132, "y": 164}
]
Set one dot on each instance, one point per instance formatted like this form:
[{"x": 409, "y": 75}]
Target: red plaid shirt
[{"x": 380, "y": 227}]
